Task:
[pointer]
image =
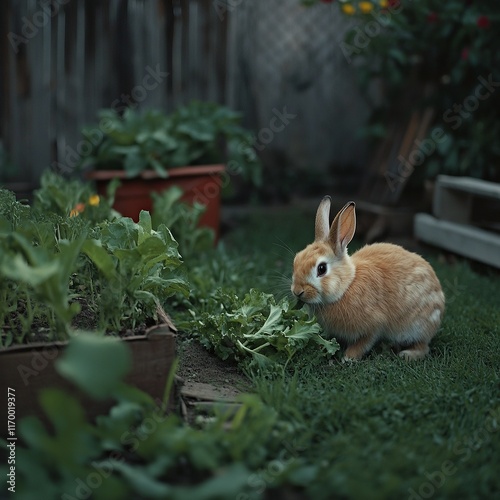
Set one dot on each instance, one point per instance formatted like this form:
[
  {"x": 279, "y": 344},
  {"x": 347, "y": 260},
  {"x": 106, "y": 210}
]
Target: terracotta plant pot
[
  {"x": 30, "y": 368},
  {"x": 199, "y": 183}
]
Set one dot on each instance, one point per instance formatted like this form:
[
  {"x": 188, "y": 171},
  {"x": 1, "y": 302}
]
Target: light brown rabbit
[{"x": 382, "y": 291}]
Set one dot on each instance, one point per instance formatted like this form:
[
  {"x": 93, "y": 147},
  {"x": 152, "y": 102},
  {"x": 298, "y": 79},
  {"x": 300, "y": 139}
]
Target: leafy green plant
[
  {"x": 256, "y": 328},
  {"x": 58, "y": 268},
  {"x": 62, "y": 196},
  {"x": 183, "y": 221},
  {"x": 437, "y": 54},
  {"x": 137, "y": 266},
  {"x": 198, "y": 133},
  {"x": 48, "y": 275},
  {"x": 12, "y": 212},
  {"x": 37, "y": 261}
]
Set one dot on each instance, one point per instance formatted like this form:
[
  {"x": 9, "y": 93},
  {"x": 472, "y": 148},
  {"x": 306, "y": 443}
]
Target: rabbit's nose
[{"x": 298, "y": 293}]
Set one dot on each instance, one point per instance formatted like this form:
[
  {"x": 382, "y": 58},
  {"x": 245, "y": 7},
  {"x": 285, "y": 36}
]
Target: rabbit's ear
[
  {"x": 343, "y": 228},
  {"x": 322, "y": 224}
]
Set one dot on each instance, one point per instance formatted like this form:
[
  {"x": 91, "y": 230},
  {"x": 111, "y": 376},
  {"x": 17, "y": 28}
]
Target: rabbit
[{"x": 380, "y": 292}]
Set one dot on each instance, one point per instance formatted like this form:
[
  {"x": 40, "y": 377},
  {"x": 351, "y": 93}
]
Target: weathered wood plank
[{"x": 469, "y": 241}]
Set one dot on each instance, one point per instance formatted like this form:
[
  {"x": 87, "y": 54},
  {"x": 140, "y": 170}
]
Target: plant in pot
[{"x": 196, "y": 148}]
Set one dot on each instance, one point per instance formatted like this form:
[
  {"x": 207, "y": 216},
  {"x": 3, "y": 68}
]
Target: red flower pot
[{"x": 199, "y": 183}]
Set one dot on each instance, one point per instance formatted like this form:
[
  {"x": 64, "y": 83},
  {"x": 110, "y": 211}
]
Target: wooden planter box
[
  {"x": 30, "y": 368},
  {"x": 199, "y": 183}
]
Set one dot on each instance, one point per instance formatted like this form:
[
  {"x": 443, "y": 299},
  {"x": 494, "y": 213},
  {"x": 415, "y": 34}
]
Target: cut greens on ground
[{"x": 257, "y": 327}]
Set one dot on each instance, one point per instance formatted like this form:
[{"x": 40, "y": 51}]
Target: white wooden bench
[{"x": 453, "y": 226}]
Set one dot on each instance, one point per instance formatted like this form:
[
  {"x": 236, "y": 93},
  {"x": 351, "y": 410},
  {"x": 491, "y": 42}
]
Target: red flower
[
  {"x": 389, "y": 4},
  {"x": 483, "y": 22},
  {"x": 432, "y": 17},
  {"x": 465, "y": 53}
]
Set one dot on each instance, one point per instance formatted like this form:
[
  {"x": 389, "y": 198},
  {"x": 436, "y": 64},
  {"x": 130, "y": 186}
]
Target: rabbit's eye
[{"x": 321, "y": 269}]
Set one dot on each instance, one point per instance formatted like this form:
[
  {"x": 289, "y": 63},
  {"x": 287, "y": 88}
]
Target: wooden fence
[{"x": 63, "y": 60}]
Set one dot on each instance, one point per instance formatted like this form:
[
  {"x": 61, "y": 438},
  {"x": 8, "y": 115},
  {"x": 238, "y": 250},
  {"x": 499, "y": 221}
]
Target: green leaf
[
  {"x": 95, "y": 364},
  {"x": 122, "y": 233},
  {"x": 331, "y": 346},
  {"x": 167, "y": 238},
  {"x": 125, "y": 150},
  {"x": 158, "y": 167},
  {"x": 261, "y": 360},
  {"x": 228, "y": 484},
  {"x": 63, "y": 410},
  {"x": 34, "y": 433},
  {"x": 18, "y": 269},
  {"x": 134, "y": 164},
  {"x": 120, "y": 420},
  {"x": 100, "y": 257},
  {"x": 305, "y": 475},
  {"x": 152, "y": 250},
  {"x": 166, "y": 140},
  {"x": 173, "y": 285},
  {"x": 168, "y": 197},
  {"x": 200, "y": 130},
  {"x": 68, "y": 254},
  {"x": 272, "y": 321},
  {"x": 145, "y": 227},
  {"x": 141, "y": 482},
  {"x": 73, "y": 440},
  {"x": 144, "y": 296}
]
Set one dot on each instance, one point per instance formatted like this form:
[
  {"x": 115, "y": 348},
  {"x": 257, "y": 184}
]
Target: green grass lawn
[
  {"x": 382, "y": 427},
  {"x": 313, "y": 428}
]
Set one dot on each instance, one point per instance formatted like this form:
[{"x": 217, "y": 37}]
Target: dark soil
[
  {"x": 204, "y": 382},
  {"x": 197, "y": 364},
  {"x": 42, "y": 331}
]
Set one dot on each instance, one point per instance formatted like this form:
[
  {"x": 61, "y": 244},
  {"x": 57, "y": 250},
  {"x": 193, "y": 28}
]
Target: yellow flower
[
  {"x": 365, "y": 7},
  {"x": 384, "y": 3},
  {"x": 79, "y": 208},
  {"x": 94, "y": 200},
  {"x": 348, "y": 9}
]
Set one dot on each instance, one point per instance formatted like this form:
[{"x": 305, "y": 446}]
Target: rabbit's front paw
[{"x": 348, "y": 359}]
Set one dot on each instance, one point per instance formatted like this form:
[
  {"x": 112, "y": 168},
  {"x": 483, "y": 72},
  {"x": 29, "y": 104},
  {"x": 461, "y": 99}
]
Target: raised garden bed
[{"x": 30, "y": 368}]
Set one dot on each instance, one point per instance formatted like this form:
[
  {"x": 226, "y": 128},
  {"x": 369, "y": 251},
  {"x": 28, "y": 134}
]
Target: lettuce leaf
[{"x": 256, "y": 328}]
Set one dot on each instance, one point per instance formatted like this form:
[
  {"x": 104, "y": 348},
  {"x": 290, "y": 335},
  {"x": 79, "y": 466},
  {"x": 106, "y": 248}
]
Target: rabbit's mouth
[{"x": 306, "y": 294}]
